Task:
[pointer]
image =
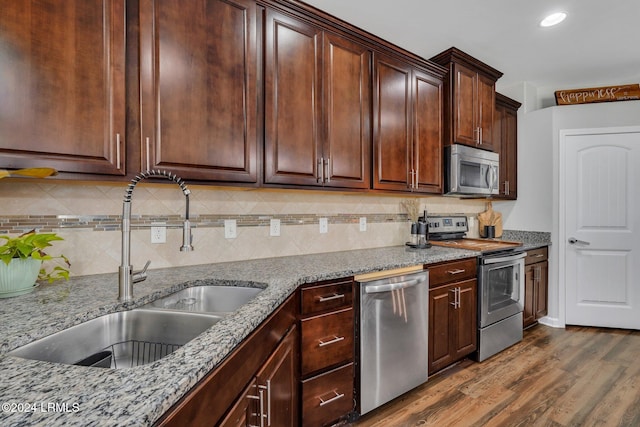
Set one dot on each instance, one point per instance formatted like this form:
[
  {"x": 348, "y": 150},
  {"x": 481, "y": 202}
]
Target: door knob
[{"x": 573, "y": 241}]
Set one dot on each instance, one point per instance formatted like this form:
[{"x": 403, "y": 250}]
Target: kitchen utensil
[
  {"x": 489, "y": 231},
  {"x": 490, "y": 217},
  {"x": 30, "y": 172}
]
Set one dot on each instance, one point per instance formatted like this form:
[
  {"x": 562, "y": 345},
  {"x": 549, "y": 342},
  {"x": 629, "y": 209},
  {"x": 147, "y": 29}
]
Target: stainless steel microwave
[{"x": 470, "y": 171}]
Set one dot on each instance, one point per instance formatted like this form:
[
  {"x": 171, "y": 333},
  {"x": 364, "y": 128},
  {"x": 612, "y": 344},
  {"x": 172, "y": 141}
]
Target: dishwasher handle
[{"x": 387, "y": 287}]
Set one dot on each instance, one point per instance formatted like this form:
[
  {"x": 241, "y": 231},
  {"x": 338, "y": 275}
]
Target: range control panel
[{"x": 447, "y": 224}]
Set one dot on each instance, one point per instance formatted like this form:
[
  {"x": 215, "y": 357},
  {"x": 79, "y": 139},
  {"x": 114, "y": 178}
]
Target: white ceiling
[{"x": 597, "y": 45}]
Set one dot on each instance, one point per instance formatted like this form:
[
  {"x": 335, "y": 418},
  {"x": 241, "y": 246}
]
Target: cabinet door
[
  {"x": 427, "y": 125},
  {"x": 278, "y": 379},
  {"x": 509, "y": 155},
  {"x": 198, "y": 68},
  {"x": 485, "y": 111},
  {"x": 466, "y": 334},
  {"x": 392, "y": 134},
  {"x": 292, "y": 101},
  {"x": 62, "y": 85},
  {"x": 440, "y": 331},
  {"x": 246, "y": 410},
  {"x": 347, "y": 107},
  {"x": 541, "y": 289},
  {"x": 464, "y": 108},
  {"x": 528, "y": 316}
]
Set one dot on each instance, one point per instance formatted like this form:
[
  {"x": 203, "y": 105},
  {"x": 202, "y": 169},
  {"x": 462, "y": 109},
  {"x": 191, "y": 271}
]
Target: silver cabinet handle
[
  {"x": 148, "y": 155},
  {"x": 320, "y": 173},
  {"x": 573, "y": 241},
  {"x": 538, "y": 256},
  {"x": 266, "y": 388},
  {"x": 332, "y": 341},
  {"x": 456, "y": 298},
  {"x": 508, "y": 189},
  {"x": 118, "y": 150},
  {"x": 327, "y": 176},
  {"x": 331, "y": 298},
  {"x": 260, "y": 399},
  {"x": 458, "y": 271},
  {"x": 333, "y": 399},
  {"x": 259, "y": 415}
]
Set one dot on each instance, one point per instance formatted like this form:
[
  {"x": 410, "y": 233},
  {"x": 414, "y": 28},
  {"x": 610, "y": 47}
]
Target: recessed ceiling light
[{"x": 553, "y": 19}]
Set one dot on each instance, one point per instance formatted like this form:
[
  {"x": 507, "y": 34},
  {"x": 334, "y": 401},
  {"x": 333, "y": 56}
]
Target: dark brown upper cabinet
[
  {"x": 317, "y": 106},
  {"x": 407, "y": 136},
  {"x": 198, "y": 79},
  {"x": 469, "y": 101},
  {"x": 63, "y": 86},
  {"x": 506, "y": 136}
]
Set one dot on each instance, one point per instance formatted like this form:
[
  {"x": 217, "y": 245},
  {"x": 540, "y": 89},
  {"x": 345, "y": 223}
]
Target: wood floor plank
[
  {"x": 585, "y": 395},
  {"x": 578, "y": 376}
]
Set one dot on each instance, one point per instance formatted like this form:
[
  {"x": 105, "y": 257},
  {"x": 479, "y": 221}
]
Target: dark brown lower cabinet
[
  {"x": 536, "y": 286},
  {"x": 452, "y": 323},
  {"x": 327, "y": 351},
  {"x": 272, "y": 394},
  {"x": 328, "y": 396},
  {"x": 265, "y": 364}
]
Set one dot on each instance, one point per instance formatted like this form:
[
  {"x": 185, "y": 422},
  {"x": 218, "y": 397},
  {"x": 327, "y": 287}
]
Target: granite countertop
[{"x": 41, "y": 393}]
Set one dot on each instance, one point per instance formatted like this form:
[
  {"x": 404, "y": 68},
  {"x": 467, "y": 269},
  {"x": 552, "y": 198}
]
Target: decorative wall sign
[{"x": 598, "y": 94}]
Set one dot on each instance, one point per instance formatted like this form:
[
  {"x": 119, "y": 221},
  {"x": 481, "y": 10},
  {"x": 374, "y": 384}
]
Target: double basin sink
[{"x": 143, "y": 335}]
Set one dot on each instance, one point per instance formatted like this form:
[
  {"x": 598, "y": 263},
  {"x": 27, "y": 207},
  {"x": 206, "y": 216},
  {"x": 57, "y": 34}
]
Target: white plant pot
[{"x": 19, "y": 277}]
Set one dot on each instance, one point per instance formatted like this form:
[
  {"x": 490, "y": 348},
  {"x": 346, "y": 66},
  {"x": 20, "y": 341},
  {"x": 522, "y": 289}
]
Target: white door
[{"x": 601, "y": 236}]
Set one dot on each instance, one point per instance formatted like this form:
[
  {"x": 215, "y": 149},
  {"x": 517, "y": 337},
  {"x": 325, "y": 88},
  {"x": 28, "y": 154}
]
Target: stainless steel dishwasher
[{"x": 393, "y": 333}]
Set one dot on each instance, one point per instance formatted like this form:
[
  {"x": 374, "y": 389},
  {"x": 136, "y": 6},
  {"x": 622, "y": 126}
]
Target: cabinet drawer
[
  {"x": 327, "y": 340},
  {"x": 328, "y": 396},
  {"x": 329, "y": 296},
  {"x": 454, "y": 271},
  {"x": 536, "y": 255}
]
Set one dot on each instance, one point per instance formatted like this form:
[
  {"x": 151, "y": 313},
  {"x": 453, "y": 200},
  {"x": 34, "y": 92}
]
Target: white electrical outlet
[
  {"x": 324, "y": 225},
  {"x": 230, "y": 231},
  {"x": 274, "y": 227},
  {"x": 363, "y": 223},
  {"x": 158, "y": 232}
]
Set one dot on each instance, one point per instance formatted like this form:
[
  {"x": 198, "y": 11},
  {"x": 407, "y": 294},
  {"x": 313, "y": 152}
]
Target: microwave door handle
[{"x": 491, "y": 177}]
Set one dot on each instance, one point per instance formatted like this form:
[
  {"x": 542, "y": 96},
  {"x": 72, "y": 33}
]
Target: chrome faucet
[{"x": 126, "y": 276}]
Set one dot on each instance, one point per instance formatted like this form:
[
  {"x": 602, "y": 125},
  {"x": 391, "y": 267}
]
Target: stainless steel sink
[
  {"x": 206, "y": 299},
  {"x": 119, "y": 340}
]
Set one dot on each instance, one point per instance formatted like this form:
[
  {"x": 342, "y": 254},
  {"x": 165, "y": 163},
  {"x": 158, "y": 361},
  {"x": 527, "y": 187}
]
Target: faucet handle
[{"x": 139, "y": 276}]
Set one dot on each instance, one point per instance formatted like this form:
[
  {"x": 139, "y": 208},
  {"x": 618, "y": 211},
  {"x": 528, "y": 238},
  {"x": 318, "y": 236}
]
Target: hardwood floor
[{"x": 555, "y": 377}]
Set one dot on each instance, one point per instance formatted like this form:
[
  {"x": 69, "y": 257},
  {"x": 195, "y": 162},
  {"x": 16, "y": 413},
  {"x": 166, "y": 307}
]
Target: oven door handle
[
  {"x": 372, "y": 289},
  {"x": 504, "y": 258}
]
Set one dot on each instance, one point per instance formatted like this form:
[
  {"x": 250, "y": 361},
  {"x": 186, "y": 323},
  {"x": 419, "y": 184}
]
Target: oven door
[{"x": 501, "y": 287}]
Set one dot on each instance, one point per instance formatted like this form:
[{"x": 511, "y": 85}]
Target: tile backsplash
[{"x": 87, "y": 216}]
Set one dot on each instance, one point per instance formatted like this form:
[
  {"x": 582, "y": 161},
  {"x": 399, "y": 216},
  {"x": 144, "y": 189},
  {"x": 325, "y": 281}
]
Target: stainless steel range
[{"x": 500, "y": 283}]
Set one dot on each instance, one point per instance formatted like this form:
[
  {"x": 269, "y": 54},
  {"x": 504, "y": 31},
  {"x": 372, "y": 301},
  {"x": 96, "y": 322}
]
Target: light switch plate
[
  {"x": 324, "y": 225},
  {"x": 363, "y": 223},
  {"x": 230, "y": 231}
]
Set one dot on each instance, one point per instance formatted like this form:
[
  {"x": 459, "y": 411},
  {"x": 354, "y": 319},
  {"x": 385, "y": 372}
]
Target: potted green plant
[{"x": 22, "y": 262}]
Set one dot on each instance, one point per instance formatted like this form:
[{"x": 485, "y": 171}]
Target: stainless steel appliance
[
  {"x": 500, "y": 301},
  {"x": 500, "y": 283},
  {"x": 470, "y": 171},
  {"x": 393, "y": 333}
]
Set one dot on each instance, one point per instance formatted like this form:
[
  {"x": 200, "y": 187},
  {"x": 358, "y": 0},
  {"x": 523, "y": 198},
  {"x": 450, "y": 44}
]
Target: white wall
[
  {"x": 537, "y": 207},
  {"x": 606, "y": 114}
]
